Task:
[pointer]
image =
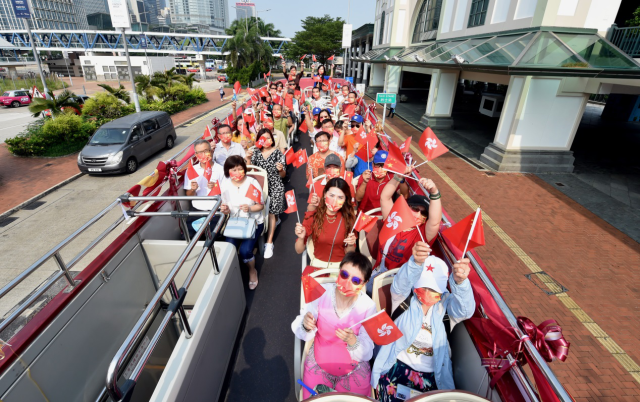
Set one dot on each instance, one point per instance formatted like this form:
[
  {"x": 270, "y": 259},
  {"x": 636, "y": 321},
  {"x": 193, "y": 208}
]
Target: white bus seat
[
  {"x": 368, "y": 242},
  {"x": 381, "y": 291}
]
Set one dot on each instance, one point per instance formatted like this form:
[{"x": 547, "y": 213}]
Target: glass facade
[
  {"x": 46, "y": 14},
  {"x": 428, "y": 18},
  {"x": 478, "y": 12}
]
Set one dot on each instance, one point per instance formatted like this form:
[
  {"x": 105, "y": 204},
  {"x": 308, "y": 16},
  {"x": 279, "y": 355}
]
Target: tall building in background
[
  {"x": 204, "y": 16},
  {"x": 46, "y": 14},
  {"x": 94, "y": 6},
  {"x": 245, "y": 9}
]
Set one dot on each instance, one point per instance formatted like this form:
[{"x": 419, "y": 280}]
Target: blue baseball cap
[
  {"x": 380, "y": 157},
  {"x": 357, "y": 118},
  {"x": 316, "y": 110}
]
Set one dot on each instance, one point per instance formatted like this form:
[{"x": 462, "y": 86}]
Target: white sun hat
[{"x": 435, "y": 275}]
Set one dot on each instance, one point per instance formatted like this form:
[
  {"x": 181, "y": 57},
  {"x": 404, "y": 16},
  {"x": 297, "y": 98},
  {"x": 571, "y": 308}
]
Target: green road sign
[{"x": 385, "y": 98}]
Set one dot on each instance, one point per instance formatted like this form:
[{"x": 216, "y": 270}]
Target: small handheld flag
[
  {"x": 399, "y": 219},
  {"x": 290, "y": 156},
  {"x": 237, "y": 88},
  {"x": 313, "y": 57},
  {"x": 191, "y": 171},
  {"x": 215, "y": 190},
  {"x": 254, "y": 194},
  {"x": 331, "y": 58},
  {"x": 303, "y": 57},
  {"x": 380, "y": 328},
  {"x": 312, "y": 289},
  {"x": 365, "y": 222},
  {"x": 467, "y": 234},
  {"x": 301, "y": 158},
  {"x": 395, "y": 161},
  {"x": 292, "y": 205},
  {"x": 431, "y": 145}
]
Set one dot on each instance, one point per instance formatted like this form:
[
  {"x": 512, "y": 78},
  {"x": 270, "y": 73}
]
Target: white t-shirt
[
  {"x": 235, "y": 196},
  {"x": 221, "y": 154},
  {"x": 419, "y": 355},
  {"x": 217, "y": 173},
  {"x": 333, "y": 144}
]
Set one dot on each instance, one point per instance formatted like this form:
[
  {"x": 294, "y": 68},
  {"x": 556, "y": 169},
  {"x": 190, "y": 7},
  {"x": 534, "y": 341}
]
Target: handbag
[{"x": 240, "y": 227}]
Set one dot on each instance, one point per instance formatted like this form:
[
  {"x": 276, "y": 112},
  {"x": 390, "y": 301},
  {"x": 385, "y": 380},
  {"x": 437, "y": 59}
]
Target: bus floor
[{"x": 261, "y": 368}]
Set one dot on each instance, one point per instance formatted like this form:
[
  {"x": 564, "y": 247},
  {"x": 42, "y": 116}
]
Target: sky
[{"x": 286, "y": 15}]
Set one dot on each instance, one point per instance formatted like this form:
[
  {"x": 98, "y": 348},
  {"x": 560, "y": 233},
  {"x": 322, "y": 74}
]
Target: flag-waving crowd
[{"x": 360, "y": 183}]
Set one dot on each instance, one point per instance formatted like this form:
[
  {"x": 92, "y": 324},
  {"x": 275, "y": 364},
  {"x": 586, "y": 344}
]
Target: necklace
[{"x": 330, "y": 220}]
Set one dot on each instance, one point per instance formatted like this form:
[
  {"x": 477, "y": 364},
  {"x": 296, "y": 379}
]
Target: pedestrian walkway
[
  {"x": 24, "y": 178},
  {"x": 534, "y": 227}
]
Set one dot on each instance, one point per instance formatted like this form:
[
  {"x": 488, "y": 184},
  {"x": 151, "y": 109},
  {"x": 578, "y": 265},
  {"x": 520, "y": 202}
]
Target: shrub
[
  {"x": 60, "y": 128},
  {"x": 195, "y": 96},
  {"x": 103, "y": 107}
]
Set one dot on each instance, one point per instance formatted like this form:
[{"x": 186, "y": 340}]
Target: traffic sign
[
  {"x": 21, "y": 8},
  {"x": 385, "y": 98},
  {"x": 143, "y": 42}
]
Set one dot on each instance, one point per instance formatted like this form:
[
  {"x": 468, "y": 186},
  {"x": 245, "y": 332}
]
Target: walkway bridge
[{"x": 113, "y": 41}]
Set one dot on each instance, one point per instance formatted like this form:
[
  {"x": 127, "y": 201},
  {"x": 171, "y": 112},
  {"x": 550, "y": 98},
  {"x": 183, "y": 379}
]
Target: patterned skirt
[{"x": 402, "y": 374}]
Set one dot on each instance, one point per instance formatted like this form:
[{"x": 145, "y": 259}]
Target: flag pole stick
[
  {"x": 417, "y": 166},
  {"x": 420, "y": 233},
  {"x": 294, "y": 196},
  {"x": 354, "y": 226},
  {"x": 473, "y": 226},
  {"x": 368, "y": 318}
]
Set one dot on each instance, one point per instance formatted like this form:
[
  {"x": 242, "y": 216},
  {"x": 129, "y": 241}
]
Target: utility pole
[
  {"x": 35, "y": 56},
  {"x": 133, "y": 84}
]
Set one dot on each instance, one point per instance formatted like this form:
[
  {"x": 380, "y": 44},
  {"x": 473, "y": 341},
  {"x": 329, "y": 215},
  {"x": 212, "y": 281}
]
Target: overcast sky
[{"x": 286, "y": 15}]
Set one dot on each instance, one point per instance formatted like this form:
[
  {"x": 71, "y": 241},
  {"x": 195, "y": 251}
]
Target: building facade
[
  {"x": 245, "y": 9},
  {"x": 110, "y": 68},
  {"x": 204, "y": 16},
  {"x": 361, "y": 42},
  {"x": 46, "y": 14},
  {"x": 548, "y": 57}
]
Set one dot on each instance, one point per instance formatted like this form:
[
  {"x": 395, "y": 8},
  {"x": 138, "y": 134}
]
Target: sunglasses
[
  {"x": 354, "y": 279},
  {"x": 420, "y": 210},
  {"x": 355, "y": 125},
  {"x": 292, "y": 84}
]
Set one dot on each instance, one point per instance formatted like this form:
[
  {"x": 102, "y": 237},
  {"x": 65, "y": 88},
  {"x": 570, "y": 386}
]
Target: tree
[
  {"x": 246, "y": 46},
  {"x": 144, "y": 87},
  {"x": 189, "y": 79},
  {"x": 635, "y": 21},
  {"x": 119, "y": 92},
  {"x": 321, "y": 36},
  {"x": 54, "y": 104},
  {"x": 165, "y": 79}
]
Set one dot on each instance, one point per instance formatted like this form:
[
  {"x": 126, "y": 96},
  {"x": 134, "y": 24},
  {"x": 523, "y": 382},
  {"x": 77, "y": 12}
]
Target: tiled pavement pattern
[
  {"x": 533, "y": 226},
  {"x": 24, "y": 178}
]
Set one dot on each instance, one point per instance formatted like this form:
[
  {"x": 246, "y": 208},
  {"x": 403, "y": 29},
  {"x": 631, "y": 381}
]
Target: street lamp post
[
  {"x": 133, "y": 84},
  {"x": 37, "y": 59}
]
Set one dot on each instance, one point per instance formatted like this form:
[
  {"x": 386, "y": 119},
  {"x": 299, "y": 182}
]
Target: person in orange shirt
[
  {"x": 347, "y": 139},
  {"x": 316, "y": 160}
]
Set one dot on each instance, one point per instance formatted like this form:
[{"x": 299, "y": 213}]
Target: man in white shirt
[
  {"x": 226, "y": 148},
  {"x": 200, "y": 186}
]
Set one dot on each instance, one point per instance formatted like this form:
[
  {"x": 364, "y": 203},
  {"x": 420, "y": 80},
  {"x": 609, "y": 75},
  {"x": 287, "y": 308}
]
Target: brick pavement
[
  {"x": 596, "y": 262},
  {"x": 24, "y": 178}
]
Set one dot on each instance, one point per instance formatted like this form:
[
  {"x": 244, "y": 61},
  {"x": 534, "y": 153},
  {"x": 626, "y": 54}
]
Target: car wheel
[
  {"x": 169, "y": 144},
  {"x": 15, "y": 104},
  {"x": 132, "y": 165}
]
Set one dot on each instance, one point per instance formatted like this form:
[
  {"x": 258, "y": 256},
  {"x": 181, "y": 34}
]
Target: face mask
[
  {"x": 331, "y": 173},
  {"x": 226, "y": 138},
  {"x": 426, "y": 297},
  {"x": 333, "y": 204},
  {"x": 379, "y": 172},
  {"x": 347, "y": 288},
  {"x": 277, "y": 114},
  {"x": 236, "y": 176},
  {"x": 322, "y": 146},
  {"x": 420, "y": 219},
  {"x": 203, "y": 158}
]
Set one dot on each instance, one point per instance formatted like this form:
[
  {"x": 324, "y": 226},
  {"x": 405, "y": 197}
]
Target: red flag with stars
[
  {"x": 290, "y": 156},
  {"x": 395, "y": 161},
  {"x": 207, "y": 134},
  {"x": 254, "y": 194},
  {"x": 292, "y": 206},
  {"x": 303, "y": 57},
  {"x": 237, "y": 87},
  {"x": 366, "y": 223},
  {"x": 312, "y": 289},
  {"x": 431, "y": 145},
  {"x": 191, "y": 171},
  {"x": 469, "y": 230},
  {"x": 215, "y": 190},
  {"x": 349, "y": 109}
]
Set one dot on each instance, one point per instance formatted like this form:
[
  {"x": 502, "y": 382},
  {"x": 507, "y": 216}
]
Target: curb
[{"x": 35, "y": 198}]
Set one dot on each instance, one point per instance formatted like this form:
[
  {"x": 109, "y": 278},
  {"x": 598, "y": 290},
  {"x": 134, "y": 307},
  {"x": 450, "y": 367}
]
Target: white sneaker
[{"x": 268, "y": 250}]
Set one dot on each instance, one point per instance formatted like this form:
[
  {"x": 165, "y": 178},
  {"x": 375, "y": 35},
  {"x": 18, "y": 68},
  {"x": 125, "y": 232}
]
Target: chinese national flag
[
  {"x": 405, "y": 146},
  {"x": 314, "y": 57},
  {"x": 268, "y": 74},
  {"x": 290, "y": 156},
  {"x": 303, "y": 57},
  {"x": 431, "y": 145},
  {"x": 292, "y": 206},
  {"x": 191, "y": 171},
  {"x": 365, "y": 222},
  {"x": 400, "y": 218},
  {"x": 288, "y": 102},
  {"x": 349, "y": 109},
  {"x": 459, "y": 233},
  {"x": 254, "y": 194},
  {"x": 331, "y": 58},
  {"x": 381, "y": 329},
  {"x": 309, "y": 181},
  {"x": 301, "y": 158},
  {"x": 395, "y": 161},
  {"x": 207, "y": 134},
  {"x": 215, "y": 190},
  {"x": 303, "y": 126},
  {"x": 312, "y": 289},
  {"x": 368, "y": 145}
]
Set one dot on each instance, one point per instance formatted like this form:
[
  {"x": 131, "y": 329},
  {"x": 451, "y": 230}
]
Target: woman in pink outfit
[{"x": 339, "y": 357}]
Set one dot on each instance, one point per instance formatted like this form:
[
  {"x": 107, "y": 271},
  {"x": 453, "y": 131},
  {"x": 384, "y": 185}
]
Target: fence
[{"x": 626, "y": 39}]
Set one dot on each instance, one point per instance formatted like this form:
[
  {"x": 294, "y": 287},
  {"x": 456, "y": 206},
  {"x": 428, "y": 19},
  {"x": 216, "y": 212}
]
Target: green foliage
[
  {"x": 7, "y": 84},
  {"x": 189, "y": 79},
  {"x": 103, "y": 107},
  {"x": 246, "y": 46},
  {"x": 53, "y": 103},
  {"x": 144, "y": 87},
  {"x": 195, "y": 97},
  {"x": 119, "y": 93},
  {"x": 321, "y": 36},
  {"x": 635, "y": 21},
  {"x": 246, "y": 74}
]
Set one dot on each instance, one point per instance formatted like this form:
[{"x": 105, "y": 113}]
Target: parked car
[
  {"x": 121, "y": 144},
  {"x": 79, "y": 99},
  {"x": 208, "y": 69},
  {"x": 15, "y": 98},
  {"x": 222, "y": 78},
  {"x": 193, "y": 70}
]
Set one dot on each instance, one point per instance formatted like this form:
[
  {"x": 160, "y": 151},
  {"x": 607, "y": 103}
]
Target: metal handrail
[
  {"x": 559, "y": 390},
  {"x": 168, "y": 284}
]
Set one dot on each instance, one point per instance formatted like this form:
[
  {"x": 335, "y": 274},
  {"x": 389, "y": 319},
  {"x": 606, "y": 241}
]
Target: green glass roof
[{"x": 561, "y": 52}]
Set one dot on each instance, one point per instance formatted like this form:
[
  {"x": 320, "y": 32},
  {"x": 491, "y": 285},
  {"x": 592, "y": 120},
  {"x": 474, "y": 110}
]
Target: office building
[
  {"x": 95, "y": 6},
  {"x": 204, "y": 16},
  {"x": 245, "y": 9},
  {"x": 47, "y": 14}
]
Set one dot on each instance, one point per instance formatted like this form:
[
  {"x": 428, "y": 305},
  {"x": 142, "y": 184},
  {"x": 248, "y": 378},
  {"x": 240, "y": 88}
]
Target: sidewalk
[
  {"x": 24, "y": 178},
  {"x": 532, "y": 226}
]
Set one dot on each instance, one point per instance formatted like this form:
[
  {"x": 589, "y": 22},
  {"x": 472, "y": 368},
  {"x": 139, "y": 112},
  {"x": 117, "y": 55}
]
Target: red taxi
[{"x": 15, "y": 98}]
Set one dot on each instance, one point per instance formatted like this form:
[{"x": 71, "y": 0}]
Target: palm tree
[
  {"x": 119, "y": 93},
  {"x": 144, "y": 86},
  {"x": 53, "y": 103},
  {"x": 189, "y": 79},
  {"x": 166, "y": 78},
  {"x": 246, "y": 47}
]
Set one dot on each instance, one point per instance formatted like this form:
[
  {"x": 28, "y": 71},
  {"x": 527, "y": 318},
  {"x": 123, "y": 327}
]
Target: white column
[
  {"x": 366, "y": 65},
  {"x": 392, "y": 79},
  {"x": 536, "y": 128},
  {"x": 442, "y": 92},
  {"x": 358, "y": 73}
]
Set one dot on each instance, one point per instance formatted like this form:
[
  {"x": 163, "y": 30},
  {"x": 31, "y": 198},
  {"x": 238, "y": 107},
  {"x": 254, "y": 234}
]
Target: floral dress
[{"x": 276, "y": 187}]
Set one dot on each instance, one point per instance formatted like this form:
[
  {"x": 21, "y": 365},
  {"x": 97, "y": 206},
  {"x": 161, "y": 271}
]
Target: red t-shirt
[
  {"x": 372, "y": 193},
  {"x": 401, "y": 248},
  {"x": 322, "y": 248}
]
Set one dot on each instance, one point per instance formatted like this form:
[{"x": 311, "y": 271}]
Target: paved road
[
  {"x": 35, "y": 232},
  {"x": 13, "y": 121}
]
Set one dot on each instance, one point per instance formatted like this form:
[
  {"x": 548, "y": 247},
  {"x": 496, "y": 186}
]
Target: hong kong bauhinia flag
[
  {"x": 431, "y": 145},
  {"x": 400, "y": 218},
  {"x": 254, "y": 194},
  {"x": 301, "y": 158},
  {"x": 381, "y": 329},
  {"x": 311, "y": 288},
  {"x": 292, "y": 206}
]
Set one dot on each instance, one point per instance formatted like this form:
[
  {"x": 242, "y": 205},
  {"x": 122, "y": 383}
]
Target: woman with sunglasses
[
  {"x": 339, "y": 357},
  {"x": 426, "y": 211},
  {"x": 328, "y": 222},
  {"x": 419, "y": 297}
]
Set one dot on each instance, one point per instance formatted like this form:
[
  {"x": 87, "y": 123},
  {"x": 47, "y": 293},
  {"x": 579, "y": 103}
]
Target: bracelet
[
  {"x": 303, "y": 327},
  {"x": 435, "y": 196},
  {"x": 398, "y": 178},
  {"x": 355, "y": 345}
]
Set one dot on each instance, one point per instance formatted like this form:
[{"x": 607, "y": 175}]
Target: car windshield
[
  {"x": 110, "y": 136},
  {"x": 6, "y": 94}
]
